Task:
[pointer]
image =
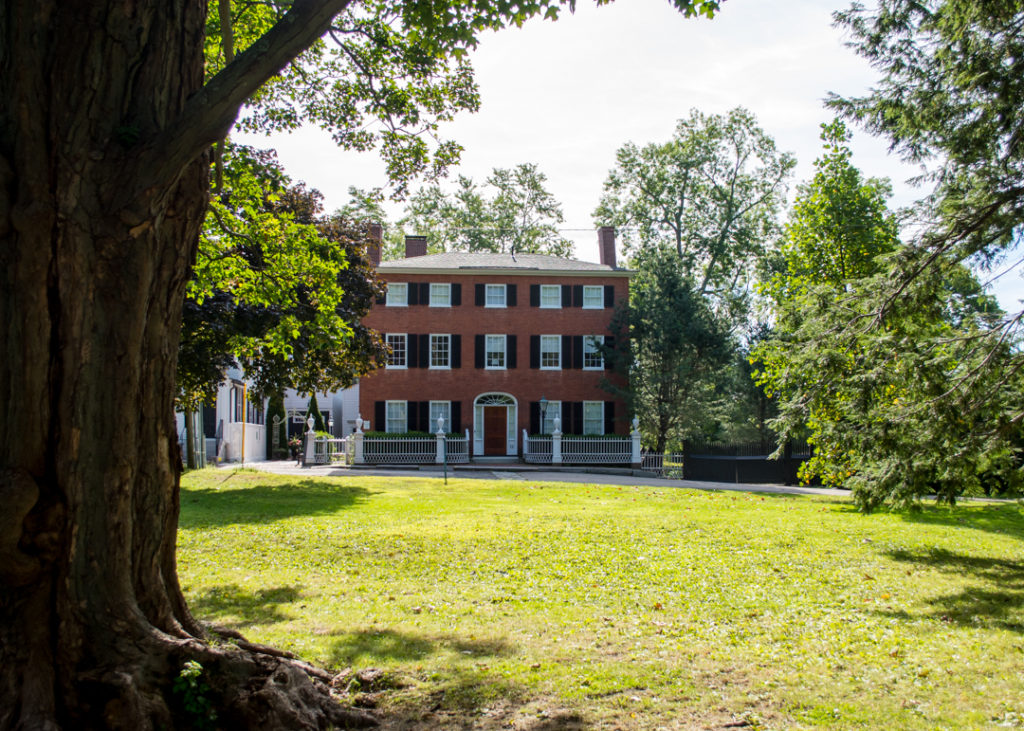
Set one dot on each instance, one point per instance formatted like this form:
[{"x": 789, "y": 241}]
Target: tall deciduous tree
[
  {"x": 711, "y": 194},
  {"x": 512, "y": 212},
  {"x": 672, "y": 348},
  {"x": 105, "y": 124}
]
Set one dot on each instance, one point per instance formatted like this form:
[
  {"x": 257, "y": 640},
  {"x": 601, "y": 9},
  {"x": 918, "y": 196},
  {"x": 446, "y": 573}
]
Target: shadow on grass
[
  {"x": 264, "y": 503},
  {"x": 374, "y": 645},
  {"x": 230, "y": 600},
  {"x": 1005, "y": 519},
  {"x": 996, "y": 600}
]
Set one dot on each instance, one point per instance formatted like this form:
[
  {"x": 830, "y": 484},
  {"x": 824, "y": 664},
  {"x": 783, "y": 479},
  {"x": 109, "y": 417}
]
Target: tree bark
[{"x": 93, "y": 624}]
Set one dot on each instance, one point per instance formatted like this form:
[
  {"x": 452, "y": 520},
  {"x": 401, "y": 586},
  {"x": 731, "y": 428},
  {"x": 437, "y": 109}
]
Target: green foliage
[
  {"x": 901, "y": 404},
  {"x": 512, "y": 212},
  {"x": 672, "y": 347},
  {"x": 194, "y": 694},
  {"x": 277, "y": 289},
  {"x": 318, "y": 418},
  {"x": 385, "y": 76},
  {"x": 950, "y": 96},
  {"x": 711, "y": 194}
]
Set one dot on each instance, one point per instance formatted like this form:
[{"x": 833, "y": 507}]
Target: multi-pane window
[
  {"x": 397, "y": 421},
  {"x": 593, "y": 417},
  {"x": 593, "y": 298},
  {"x": 548, "y": 416},
  {"x": 398, "y": 294},
  {"x": 440, "y": 351},
  {"x": 550, "y": 295},
  {"x": 441, "y": 409},
  {"x": 494, "y": 351},
  {"x": 550, "y": 351},
  {"x": 592, "y": 358},
  {"x": 494, "y": 295},
  {"x": 440, "y": 294},
  {"x": 399, "y": 352},
  {"x": 237, "y": 403}
]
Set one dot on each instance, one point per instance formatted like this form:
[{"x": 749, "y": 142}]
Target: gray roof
[{"x": 463, "y": 260}]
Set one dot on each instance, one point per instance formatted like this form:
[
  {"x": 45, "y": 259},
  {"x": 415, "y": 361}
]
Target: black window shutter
[
  {"x": 382, "y": 299},
  {"x": 510, "y": 295},
  {"x": 535, "y": 426},
  {"x": 425, "y": 424},
  {"x": 456, "y": 425},
  {"x": 456, "y": 294},
  {"x": 577, "y": 295},
  {"x": 480, "y": 295},
  {"x": 510, "y": 351},
  {"x": 456, "y": 351},
  {"x": 609, "y": 417},
  {"x": 534, "y": 295},
  {"x": 535, "y": 352},
  {"x": 566, "y": 352},
  {"x": 412, "y": 298},
  {"x": 609, "y": 342},
  {"x": 577, "y": 417},
  {"x": 424, "y": 350},
  {"x": 411, "y": 353},
  {"x": 566, "y": 295},
  {"x": 609, "y": 295},
  {"x": 379, "y": 415},
  {"x": 577, "y": 351},
  {"x": 424, "y": 293},
  {"x": 566, "y": 417},
  {"x": 479, "y": 343},
  {"x": 412, "y": 412}
]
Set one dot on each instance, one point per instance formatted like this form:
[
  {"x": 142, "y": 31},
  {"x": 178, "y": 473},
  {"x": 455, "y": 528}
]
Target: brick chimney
[
  {"x": 415, "y": 246},
  {"x": 376, "y": 240},
  {"x": 606, "y": 245}
]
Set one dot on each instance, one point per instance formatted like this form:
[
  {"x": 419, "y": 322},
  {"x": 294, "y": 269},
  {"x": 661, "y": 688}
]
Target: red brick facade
[{"x": 522, "y": 323}]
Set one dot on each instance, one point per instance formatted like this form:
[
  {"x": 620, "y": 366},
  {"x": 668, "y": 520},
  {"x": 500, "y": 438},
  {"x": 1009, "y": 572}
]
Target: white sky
[{"x": 566, "y": 95}]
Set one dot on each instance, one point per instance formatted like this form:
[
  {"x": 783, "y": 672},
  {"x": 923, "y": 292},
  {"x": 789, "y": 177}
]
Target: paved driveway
[{"x": 535, "y": 474}]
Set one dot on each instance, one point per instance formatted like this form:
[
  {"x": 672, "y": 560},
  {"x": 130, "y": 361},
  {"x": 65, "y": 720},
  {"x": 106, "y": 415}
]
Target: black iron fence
[{"x": 745, "y": 462}]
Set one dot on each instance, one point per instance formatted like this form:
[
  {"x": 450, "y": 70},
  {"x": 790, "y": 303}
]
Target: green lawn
[{"x": 542, "y": 605}]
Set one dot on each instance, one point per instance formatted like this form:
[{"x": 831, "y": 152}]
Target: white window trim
[
  {"x": 504, "y": 296},
  {"x": 387, "y": 416},
  {"x": 387, "y": 299},
  {"x": 430, "y": 354},
  {"x": 558, "y": 350},
  {"x": 600, "y": 300},
  {"x": 600, "y": 342},
  {"x": 601, "y": 420},
  {"x": 447, "y": 418},
  {"x": 554, "y": 408},
  {"x": 431, "y": 293},
  {"x": 504, "y": 352},
  {"x": 390, "y": 367},
  {"x": 558, "y": 297}
]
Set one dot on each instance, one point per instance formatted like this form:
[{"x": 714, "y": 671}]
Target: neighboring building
[
  {"x": 235, "y": 427},
  {"x": 483, "y": 340}
]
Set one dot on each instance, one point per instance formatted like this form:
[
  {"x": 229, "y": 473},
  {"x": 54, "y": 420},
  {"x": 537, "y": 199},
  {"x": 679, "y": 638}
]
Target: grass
[{"x": 543, "y": 605}]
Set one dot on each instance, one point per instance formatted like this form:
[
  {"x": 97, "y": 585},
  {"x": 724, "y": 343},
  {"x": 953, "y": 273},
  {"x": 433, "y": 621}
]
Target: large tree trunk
[{"x": 93, "y": 625}]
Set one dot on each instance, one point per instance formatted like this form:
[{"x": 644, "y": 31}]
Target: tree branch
[{"x": 208, "y": 115}]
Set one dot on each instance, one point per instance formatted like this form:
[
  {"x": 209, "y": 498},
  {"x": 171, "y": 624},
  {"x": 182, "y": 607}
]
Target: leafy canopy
[{"x": 711, "y": 194}]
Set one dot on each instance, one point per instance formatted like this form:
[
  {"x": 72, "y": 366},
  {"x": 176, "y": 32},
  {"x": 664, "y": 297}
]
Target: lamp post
[{"x": 543, "y": 413}]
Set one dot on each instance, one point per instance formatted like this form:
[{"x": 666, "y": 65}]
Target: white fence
[
  {"x": 561, "y": 449},
  {"x": 330, "y": 451},
  {"x": 360, "y": 449}
]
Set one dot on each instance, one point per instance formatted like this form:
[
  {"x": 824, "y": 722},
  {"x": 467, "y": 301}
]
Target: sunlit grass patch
[{"x": 516, "y": 602}]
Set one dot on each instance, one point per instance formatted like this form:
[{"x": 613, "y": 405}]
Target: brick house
[{"x": 495, "y": 344}]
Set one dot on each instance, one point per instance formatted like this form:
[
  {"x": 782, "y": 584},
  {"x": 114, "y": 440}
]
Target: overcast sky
[{"x": 566, "y": 95}]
